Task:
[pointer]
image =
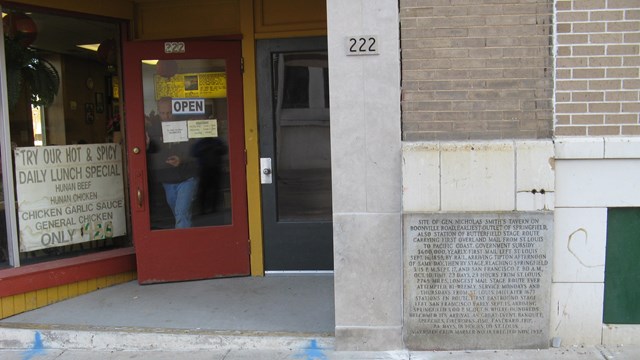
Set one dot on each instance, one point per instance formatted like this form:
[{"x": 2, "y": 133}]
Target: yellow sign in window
[{"x": 196, "y": 85}]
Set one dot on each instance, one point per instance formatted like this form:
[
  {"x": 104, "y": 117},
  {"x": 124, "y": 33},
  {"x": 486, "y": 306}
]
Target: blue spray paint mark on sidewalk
[
  {"x": 313, "y": 352},
  {"x": 37, "y": 348}
]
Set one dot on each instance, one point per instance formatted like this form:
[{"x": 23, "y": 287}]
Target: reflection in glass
[
  {"x": 303, "y": 152},
  {"x": 186, "y": 126}
]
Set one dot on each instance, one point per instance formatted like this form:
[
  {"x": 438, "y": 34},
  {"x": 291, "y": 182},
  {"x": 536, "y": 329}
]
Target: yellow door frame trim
[{"x": 251, "y": 137}]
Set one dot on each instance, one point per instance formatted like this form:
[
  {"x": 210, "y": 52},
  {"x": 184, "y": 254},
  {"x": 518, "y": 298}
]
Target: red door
[{"x": 186, "y": 159}]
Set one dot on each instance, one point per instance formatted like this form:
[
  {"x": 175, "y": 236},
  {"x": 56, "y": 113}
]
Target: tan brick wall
[
  {"x": 597, "y": 67},
  {"x": 476, "y": 69}
]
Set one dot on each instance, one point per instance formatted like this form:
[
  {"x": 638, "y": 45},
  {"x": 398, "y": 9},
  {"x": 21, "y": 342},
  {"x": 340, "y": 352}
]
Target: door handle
[
  {"x": 139, "y": 198},
  {"x": 139, "y": 191},
  {"x": 266, "y": 173}
]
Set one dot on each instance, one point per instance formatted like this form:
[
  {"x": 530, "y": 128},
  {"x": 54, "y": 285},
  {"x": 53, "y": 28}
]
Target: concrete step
[{"x": 29, "y": 336}]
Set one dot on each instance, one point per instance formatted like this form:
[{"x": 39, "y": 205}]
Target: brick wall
[
  {"x": 476, "y": 69},
  {"x": 597, "y": 67}
]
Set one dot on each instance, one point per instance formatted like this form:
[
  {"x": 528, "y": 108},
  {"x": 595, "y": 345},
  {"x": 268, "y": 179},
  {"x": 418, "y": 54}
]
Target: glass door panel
[
  {"x": 303, "y": 151},
  {"x": 186, "y": 127}
]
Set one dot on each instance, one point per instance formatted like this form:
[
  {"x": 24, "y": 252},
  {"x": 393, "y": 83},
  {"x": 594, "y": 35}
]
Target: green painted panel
[{"x": 622, "y": 270}]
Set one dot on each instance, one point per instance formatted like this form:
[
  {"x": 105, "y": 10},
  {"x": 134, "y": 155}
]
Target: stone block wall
[
  {"x": 592, "y": 175},
  {"x": 478, "y": 176},
  {"x": 366, "y": 176}
]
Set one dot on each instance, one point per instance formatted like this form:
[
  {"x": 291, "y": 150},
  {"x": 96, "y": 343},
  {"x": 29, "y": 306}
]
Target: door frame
[{"x": 181, "y": 263}]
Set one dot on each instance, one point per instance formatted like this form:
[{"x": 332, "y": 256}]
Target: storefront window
[{"x": 63, "y": 135}]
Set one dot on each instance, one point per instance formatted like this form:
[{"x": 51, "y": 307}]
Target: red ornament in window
[
  {"x": 167, "y": 68},
  {"x": 20, "y": 27}
]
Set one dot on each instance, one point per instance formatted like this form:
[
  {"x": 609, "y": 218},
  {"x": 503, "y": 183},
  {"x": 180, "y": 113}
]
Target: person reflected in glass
[
  {"x": 171, "y": 164},
  {"x": 209, "y": 152}
]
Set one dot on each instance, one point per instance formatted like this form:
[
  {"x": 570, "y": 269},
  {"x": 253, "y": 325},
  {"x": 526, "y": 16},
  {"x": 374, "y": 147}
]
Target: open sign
[{"x": 187, "y": 106}]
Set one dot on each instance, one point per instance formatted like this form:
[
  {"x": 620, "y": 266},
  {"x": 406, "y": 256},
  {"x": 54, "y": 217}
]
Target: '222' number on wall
[{"x": 362, "y": 45}]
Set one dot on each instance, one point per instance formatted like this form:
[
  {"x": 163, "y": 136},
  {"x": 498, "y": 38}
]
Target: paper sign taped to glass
[
  {"x": 69, "y": 194},
  {"x": 180, "y": 131},
  {"x": 203, "y": 128},
  {"x": 174, "y": 131}
]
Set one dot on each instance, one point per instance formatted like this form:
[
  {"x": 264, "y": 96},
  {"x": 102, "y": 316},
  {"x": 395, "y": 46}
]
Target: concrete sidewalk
[
  {"x": 314, "y": 353},
  {"x": 224, "y": 319},
  {"x": 75, "y": 343}
]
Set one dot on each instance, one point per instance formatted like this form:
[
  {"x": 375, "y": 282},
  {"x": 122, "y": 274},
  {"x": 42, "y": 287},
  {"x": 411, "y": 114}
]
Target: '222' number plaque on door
[{"x": 174, "y": 47}]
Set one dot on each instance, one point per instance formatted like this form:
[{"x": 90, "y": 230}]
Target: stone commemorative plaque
[{"x": 477, "y": 280}]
